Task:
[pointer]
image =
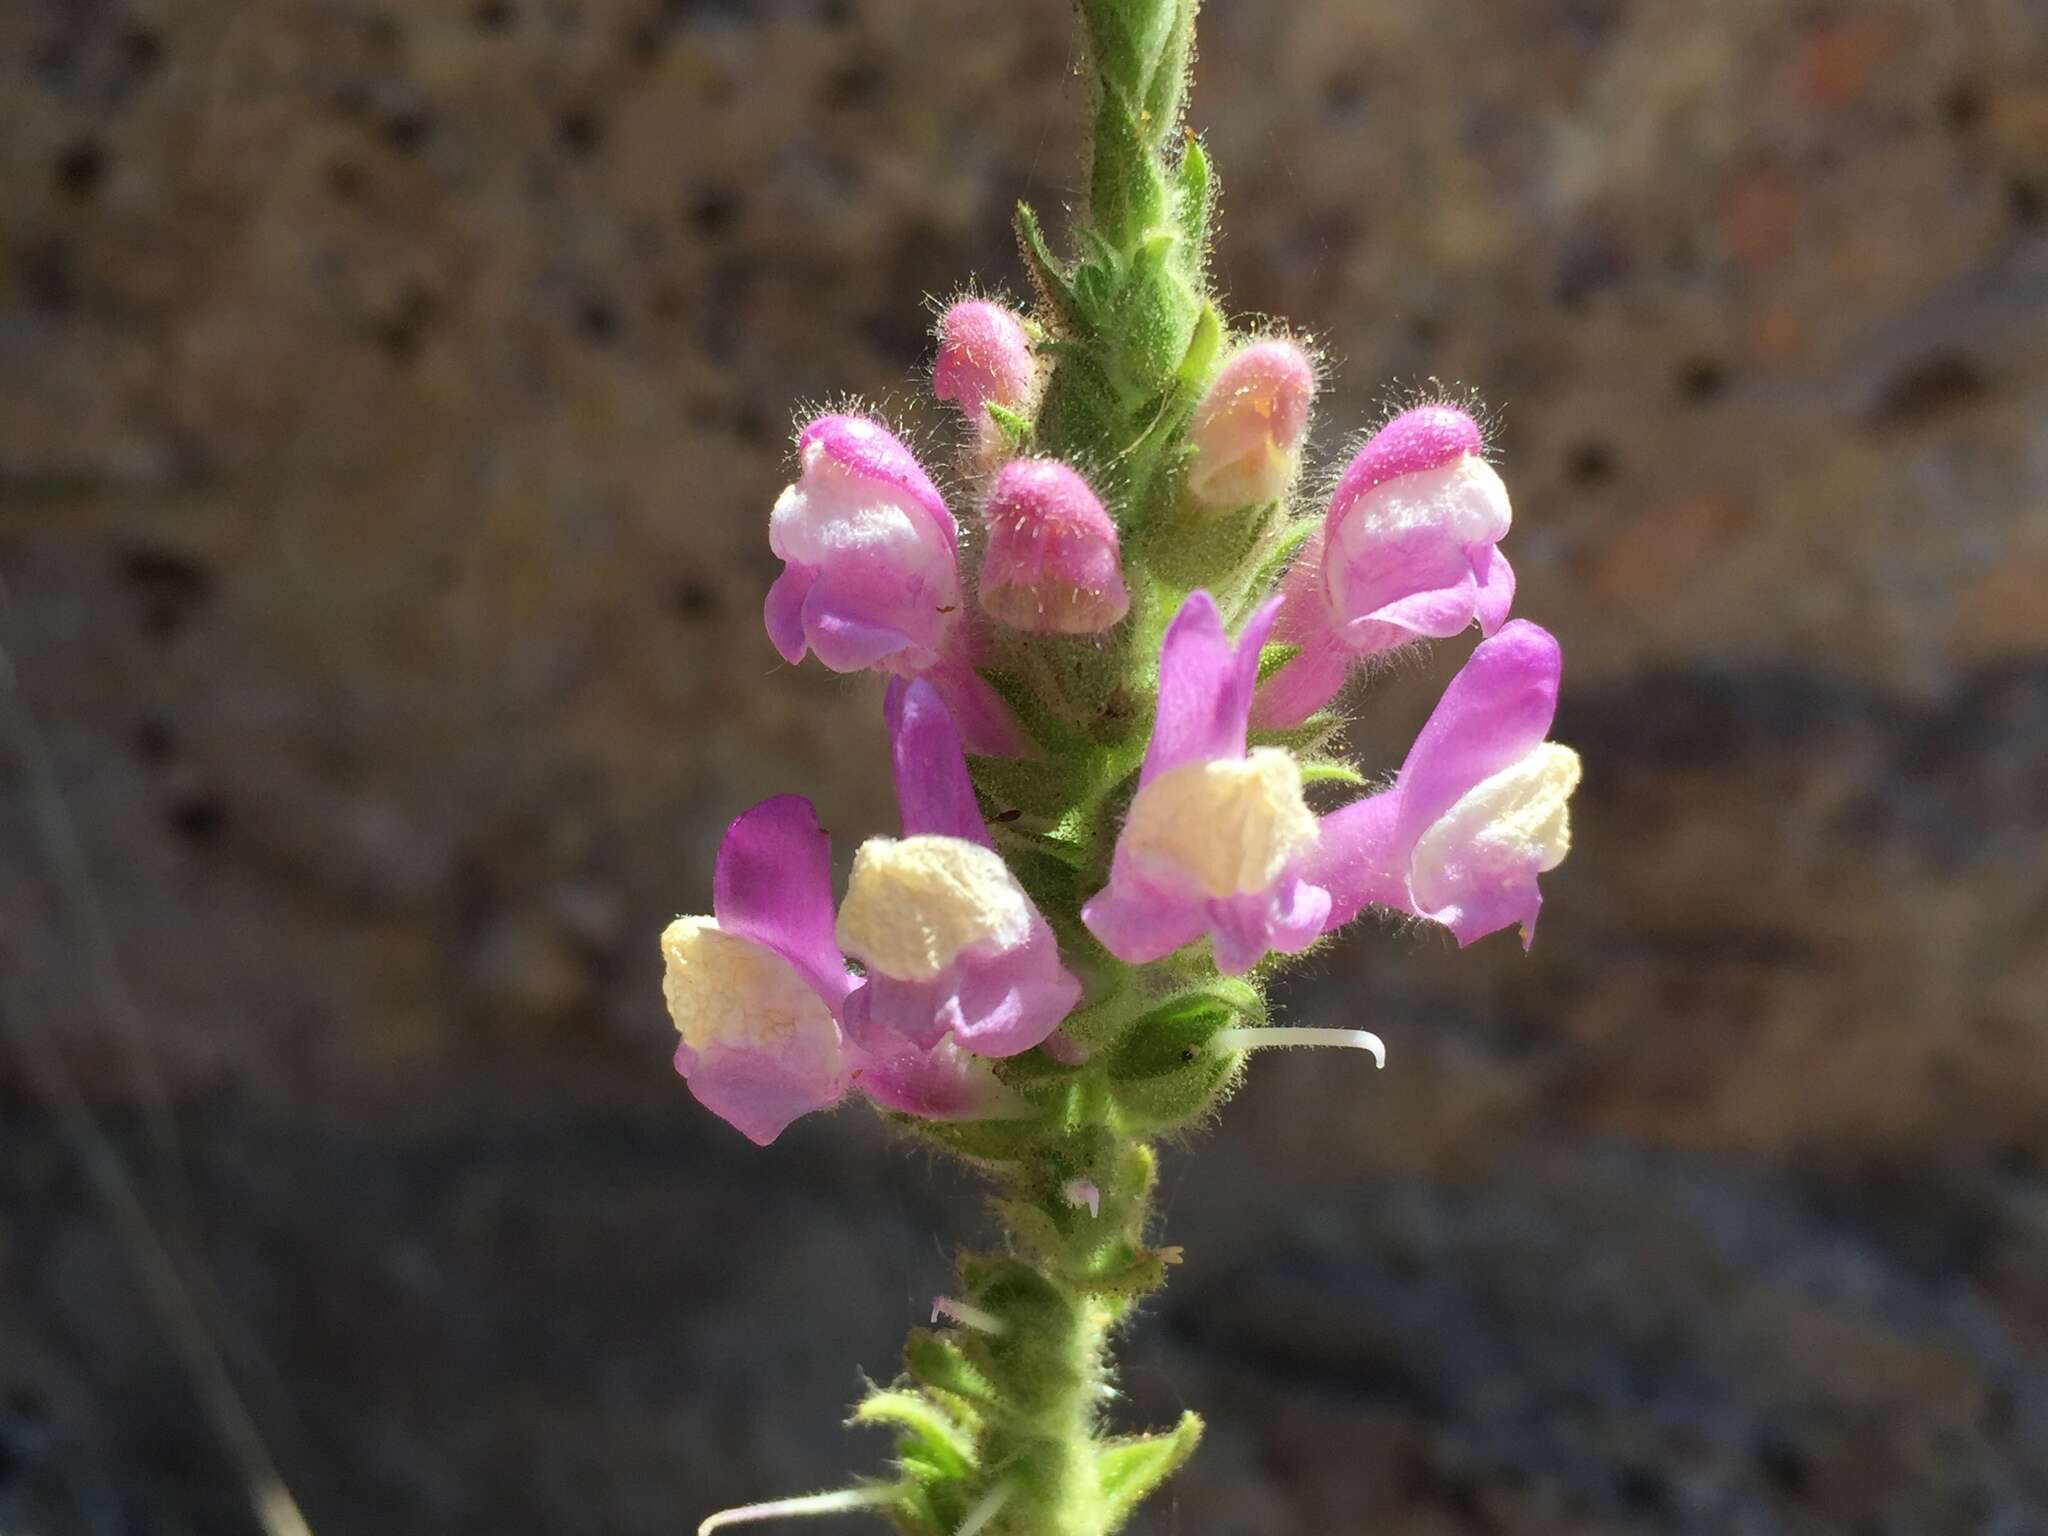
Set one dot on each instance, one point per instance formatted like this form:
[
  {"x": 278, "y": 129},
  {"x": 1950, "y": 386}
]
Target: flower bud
[
  {"x": 984, "y": 359},
  {"x": 1248, "y": 430},
  {"x": 1052, "y": 564},
  {"x": 871, "y": 572}
]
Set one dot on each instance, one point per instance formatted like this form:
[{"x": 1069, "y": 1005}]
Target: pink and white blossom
[
  {"x": 1407, "y": 551},
  {"x": 1480, "y": 808},
  {"x": 1217, "y": 836},
  {"x": 1052, "y": 564},
  {"x": 953, "y": 947},
  {"x": 871, "y": 574},
  {"x": 1248, "y": 429}
]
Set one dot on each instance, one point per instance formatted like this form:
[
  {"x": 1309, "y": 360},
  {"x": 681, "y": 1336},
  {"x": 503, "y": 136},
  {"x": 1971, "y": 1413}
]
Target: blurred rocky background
[{"x": 391, "y": 396}]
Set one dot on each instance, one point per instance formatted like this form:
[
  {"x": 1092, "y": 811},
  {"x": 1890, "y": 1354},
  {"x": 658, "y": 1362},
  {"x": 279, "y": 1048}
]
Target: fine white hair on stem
[
  {"x": 986, "y": 1509},
  {"x": 844, "y": 1501},
  {"x": 1264, "y": 1039},
  {"x": 967, "y": 1315}
]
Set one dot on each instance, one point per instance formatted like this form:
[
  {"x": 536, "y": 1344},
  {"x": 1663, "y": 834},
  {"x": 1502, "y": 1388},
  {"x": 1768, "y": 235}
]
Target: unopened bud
[
  {"x": 1052, "y": 565},
  {"x": 984, "y": 359},
  {"x": 1248, "y": 430}
]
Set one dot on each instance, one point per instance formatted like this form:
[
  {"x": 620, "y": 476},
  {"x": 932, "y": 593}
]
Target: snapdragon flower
[
  {"x": 1407, "y": 551},
  {"x": 1480, "y": 808},
  {"x": 871, "y": 574},
  {"x": 953, "y": 946},
  {"x": 1215, "y": 837}
]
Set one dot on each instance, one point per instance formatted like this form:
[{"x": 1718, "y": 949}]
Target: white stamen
[
  {"x": 845, "y": 1501},
  {"x": 987, "y": 1509},
  {"x": 1084, "y": 1192},
  {"x": 1261, "y": 1039},
  {"x": 967, "y": 1315}
]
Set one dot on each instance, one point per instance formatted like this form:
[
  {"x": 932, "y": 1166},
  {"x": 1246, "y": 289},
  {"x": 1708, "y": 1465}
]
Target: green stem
[{"x": 1075, "y": 1216}]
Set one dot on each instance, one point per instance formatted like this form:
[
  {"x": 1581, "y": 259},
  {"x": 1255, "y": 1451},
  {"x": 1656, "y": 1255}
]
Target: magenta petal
[
  {"x": 1302, "y": 686},
  {"x": 773, "y": 884},
  {"x": 1288, "y": 918},
  {"x": 1425, "y": 615},
  {"x": 1011, "y": 1002},
  {"x": 1494, "y": 713},
  {"x": 933, "y": 791},
  {"x": 1500, "y": 903},
  {"x": 884, "y": 1012},
  {"x": 759, "y": 1094},
  {"x": 1139, "y": 921},
  {"x": 1427, "y": 437},
  {"x": 991, "y": 1005},
  {"x": 984, "y": 720},
  {"x": 1357, "y": 861},
  {"x": 870, "y": 451},
  {"x": 1404, "y": 586},
  {"x": 1314, "y": 676},
  {"x": 783, "y": 613},
  {"x": 1496, "y": 580},
  {"x": 851, "y": 628},
  {"x": 942, "y": 1084},
  {"x": 1205, "y": 686}
]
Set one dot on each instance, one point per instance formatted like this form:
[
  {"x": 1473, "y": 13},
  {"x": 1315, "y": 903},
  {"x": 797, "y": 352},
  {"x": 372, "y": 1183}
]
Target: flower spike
[{"x": 1106, "y": 842}]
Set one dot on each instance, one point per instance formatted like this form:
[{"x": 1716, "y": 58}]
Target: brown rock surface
[{"x": 392, "y": 398}]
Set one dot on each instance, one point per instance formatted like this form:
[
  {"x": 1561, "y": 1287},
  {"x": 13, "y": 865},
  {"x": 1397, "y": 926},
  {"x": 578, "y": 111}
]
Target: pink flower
[
  {"x": 872, "y": 570},
  {"x": 1479, "y": 810},
  {"x": 984, "y": 359},
  {"x": 1248, "y": 429},
  {"x": 953, "y": 946},
  {"x": 1406, "y": 552},
  {"x": 871, "y": 574},
  {"x": 1216, "y": 837},
  {"x": 1052, "y": 563},
  {"x": 757, "y": 992}
]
